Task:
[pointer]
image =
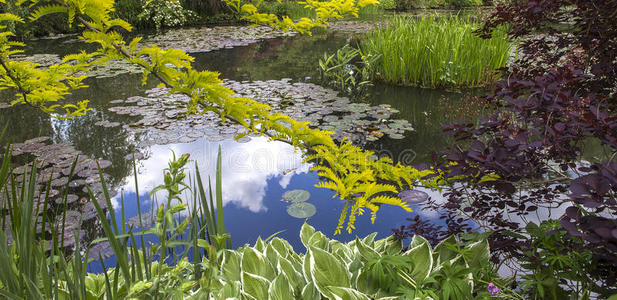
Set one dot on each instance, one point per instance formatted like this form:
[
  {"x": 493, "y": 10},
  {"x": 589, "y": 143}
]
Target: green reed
[{"x": 436, "y": 52}]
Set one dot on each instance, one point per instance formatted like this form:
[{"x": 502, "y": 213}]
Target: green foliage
[
  {"x": 291, "y": 9},
  {"x": 436, "y": 52},
  {"x": 165, "y": 13},
  {"x": 361, "y": 269},
  {"x": 416, "y": 4},
  {"x": 552, "y": 268},
  {"x": 341, "y": 69}
]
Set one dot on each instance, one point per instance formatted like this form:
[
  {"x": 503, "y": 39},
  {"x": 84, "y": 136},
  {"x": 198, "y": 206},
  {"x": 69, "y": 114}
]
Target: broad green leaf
[
  {"x": 230, "y": 290},
  {"x": 370, "y": 239},
  {"x": 319, "y": 240},
  {"x": 422, "y": 259},
  {"x": 326, "y": 270},
  {"x": 479, "y": 255},
  {"x": 280, "y": 289},
  {"x": 306, "y": 266},
  {"x": 365, "y": 284},
  {"x": 260, "y": 245},
  {"x": 281, "y": 246},
  {"x": 365, "y": 251},
  {"x": 442, "y": 252},
  {"x": 393, "y": 246},
  {"x": 310, "y": 292},
  {"x": 255, "y": 285},
  {"x": 231, "y": 265},
  {"x": 256, "y": 263},
  {"x": 306, "y": 232},
  {"x": 272, "y": 255},
  {"x": 345, "y": 293},
  {"x": 296, "y": 280}
]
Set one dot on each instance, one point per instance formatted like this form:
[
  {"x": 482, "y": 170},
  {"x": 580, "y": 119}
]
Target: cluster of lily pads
[
  {"x": 205, "y": 39},
  {"x": 354, "y": 27},
  {"x": 110, "y": 69},
  {"x": 164, "y": 117},
  {"x": 69, "y": 202},
  {"x": 299, "y": 208}
]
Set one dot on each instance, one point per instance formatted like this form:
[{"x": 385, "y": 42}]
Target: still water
[{"x": 255, "y": 173}]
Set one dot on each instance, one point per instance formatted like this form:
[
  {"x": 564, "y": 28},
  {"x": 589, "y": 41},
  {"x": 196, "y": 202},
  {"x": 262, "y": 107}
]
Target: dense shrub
[{"x": 436, "y": 52}]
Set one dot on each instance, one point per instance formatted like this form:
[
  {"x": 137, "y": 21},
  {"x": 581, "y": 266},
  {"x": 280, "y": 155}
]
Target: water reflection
[
  {"x": 246, "y": 168},
  {"x": 254, "y": 177}
]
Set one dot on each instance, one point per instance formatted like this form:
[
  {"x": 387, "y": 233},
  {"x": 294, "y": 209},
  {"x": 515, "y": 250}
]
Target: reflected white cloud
[{"x": 246, "y": 168}]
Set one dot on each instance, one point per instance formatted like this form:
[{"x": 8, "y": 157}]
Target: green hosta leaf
[
  {"x": 230, "y": 290},
  {"x": 365, "y": 284},
  {"x": 391, "y": 246},
  {"x": 365, "y": 251},
  {"x": 326, "y": 270},
  {"x": 370, "y": 239},
  {"x": 306, "y": 267},
  {"x": 306, "y": 232},
  {"x": 280, "y": 289},
  {"x": 255, "y": 285},
  {"x": 310, "y": 292},
  {"x": 260, "y": 245},
  {"x": 281, "y": 246},
  {"x": 479, "y": 254},
  {"x": 231, "y": 265},
  {"x": 345, "y": 293},
  {"x": 442, "y": 252},
  {"x": 256, "y": 263},
  {"x": 296, "y": 280},
  {"x": 319, "y": 240},
  {"x": 247, "y": 296},
  {"x": 272, "y": 255},
  {"x": 422, "y": 258}
]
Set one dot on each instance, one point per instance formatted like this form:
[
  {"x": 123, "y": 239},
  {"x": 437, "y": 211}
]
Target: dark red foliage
[{"x": 560, "y": 95}]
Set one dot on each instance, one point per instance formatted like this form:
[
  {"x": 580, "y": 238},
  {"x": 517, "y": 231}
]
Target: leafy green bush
[
  {"x": 361, "y": 269},
  {"x": 436, "y": 52},
  {"x": 292, "y": 9},
  {"x": 165, "y": 13}
]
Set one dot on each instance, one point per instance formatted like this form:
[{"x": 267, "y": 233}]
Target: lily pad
[
  {"x": 413, "y": 196},
  {"x": 296, "y": 196},
  {"x": 301, "y": 210}
]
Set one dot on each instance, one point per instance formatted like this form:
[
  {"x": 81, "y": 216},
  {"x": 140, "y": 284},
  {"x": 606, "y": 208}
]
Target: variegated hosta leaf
[
  {"x": 479, "y": 254},
  {"x": 310, "y": 292},
  {"x": 280, "y": 289},
  {"x": 422, "y": 258},
  {"x": 345, "y": 293},
  {"x": 326, "y": 270},
  {"x": 231, "y": 265},
  {"x": 306, "y": 232},
  {"x": 254, "y": 262},
  {"x": 296, "y": 280},
  {"x": 255, "y": 285}
]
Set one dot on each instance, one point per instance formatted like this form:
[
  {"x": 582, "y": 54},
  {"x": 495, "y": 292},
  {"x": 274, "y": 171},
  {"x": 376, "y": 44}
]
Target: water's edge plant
[{"x": 436, "y": 52}]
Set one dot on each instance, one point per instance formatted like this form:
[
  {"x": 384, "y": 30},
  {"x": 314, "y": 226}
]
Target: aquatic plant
[
  {"x": 436, "y": 52},
  {"x": 347, "y": 69}
]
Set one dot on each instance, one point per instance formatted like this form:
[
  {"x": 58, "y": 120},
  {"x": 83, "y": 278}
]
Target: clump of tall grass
[{"x": 436, "y": 52}]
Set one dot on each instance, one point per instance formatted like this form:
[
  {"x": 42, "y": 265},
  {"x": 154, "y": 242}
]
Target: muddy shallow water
[{"x": 127, "y": 121}]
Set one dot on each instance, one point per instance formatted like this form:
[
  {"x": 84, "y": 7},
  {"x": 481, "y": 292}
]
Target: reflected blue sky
[{"x": 255, "y": 176}]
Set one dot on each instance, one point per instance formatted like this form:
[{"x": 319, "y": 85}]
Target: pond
[{"x": 129, "y": 120}]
